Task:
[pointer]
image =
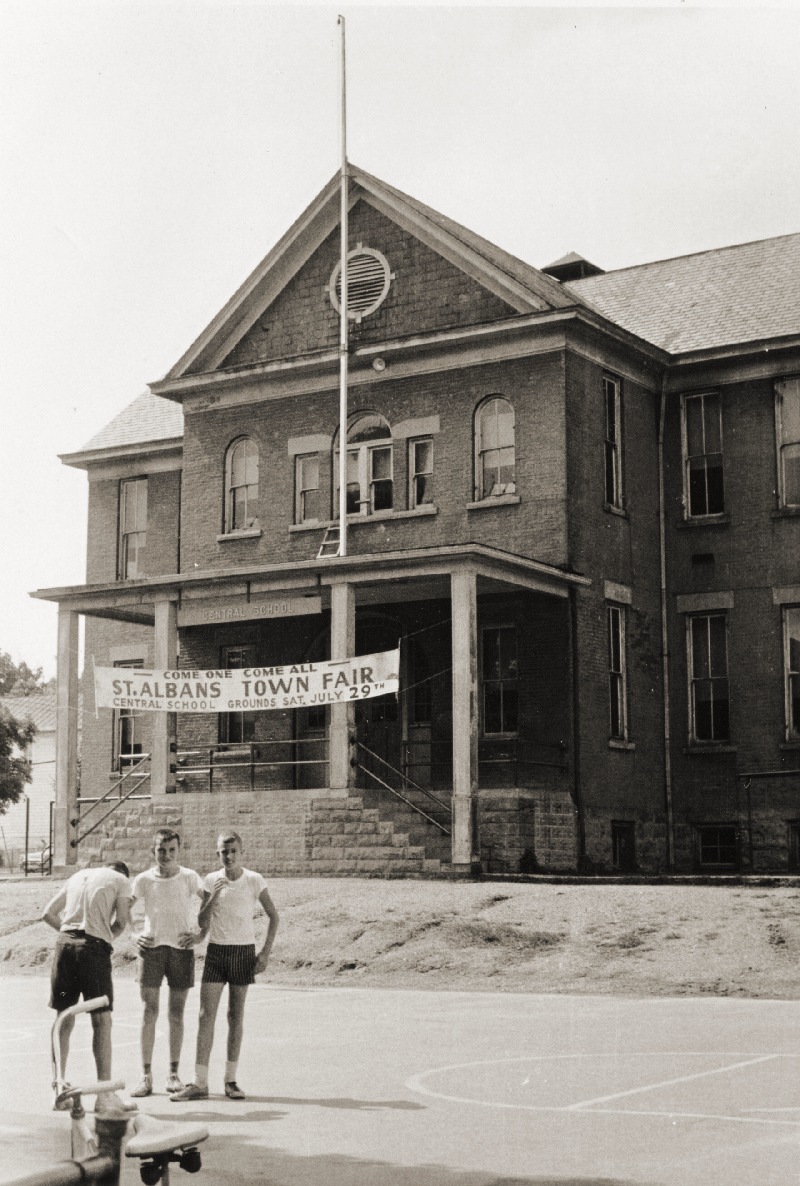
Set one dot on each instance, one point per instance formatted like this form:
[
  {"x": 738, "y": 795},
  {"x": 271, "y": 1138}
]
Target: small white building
[{"x": 40, "y": 791}]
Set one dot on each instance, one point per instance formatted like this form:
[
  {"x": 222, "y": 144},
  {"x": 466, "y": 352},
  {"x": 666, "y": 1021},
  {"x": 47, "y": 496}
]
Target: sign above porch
[{"x": 215, "y": 611}]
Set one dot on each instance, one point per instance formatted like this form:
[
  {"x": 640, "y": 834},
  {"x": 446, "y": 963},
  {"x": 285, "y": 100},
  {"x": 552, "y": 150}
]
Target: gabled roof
[
  {"x": 39, "y": 707},
  {"x": 147, "y": 420},
  {"x": 523, "y": 287},
  {"x": 725, "y": 297}
]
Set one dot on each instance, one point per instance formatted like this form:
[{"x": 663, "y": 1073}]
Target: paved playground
[{"x": 366, "y": 1087}]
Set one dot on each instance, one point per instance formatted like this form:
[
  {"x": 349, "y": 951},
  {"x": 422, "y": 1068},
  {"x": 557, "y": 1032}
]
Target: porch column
[
  {"x": 464, "y": 627},
  {"x": 343, "y": 641},
  {"x": 165, "y": 655},
  {"x": 66, "y": 791}
]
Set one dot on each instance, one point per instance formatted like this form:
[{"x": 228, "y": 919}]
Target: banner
[{"x": 248, "y": 689}]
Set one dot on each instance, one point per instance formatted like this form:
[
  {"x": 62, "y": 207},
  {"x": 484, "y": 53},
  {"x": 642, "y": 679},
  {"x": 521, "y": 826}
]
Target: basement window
[{"x": 717, "y": 846}]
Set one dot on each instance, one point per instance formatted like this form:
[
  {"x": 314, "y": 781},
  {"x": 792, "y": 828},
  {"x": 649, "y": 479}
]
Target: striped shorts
[{"x": 229, "y": 963}]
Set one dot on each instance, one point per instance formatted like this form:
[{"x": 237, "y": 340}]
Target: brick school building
[{"x": 573, "y": 504}]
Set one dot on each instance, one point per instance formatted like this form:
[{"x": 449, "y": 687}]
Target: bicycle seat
[{"x": 152, "y": 1137}]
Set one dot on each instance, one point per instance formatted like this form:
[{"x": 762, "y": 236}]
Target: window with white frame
[
  {"x": 707, "y": 644},
  {"x": 702, "y": 455},
  {"x": 495, "y": 449},
  {"x": 241, "y": 485},
  {"x": 791, "y": 636},
  {"x": 132, "y": 528},
  {"x": 307, "y": 493},
  {"x": 237, "y": 727},
  {"x": 369, "y": 475},
  {"x": 617, "y": 673},
  {"x": 787, "y": 422},
  {"x": 128, "y": 728},
  {"x": 612, "y": 397},
  {"x": 500, "y": 681},
  {"x": 420, "y": 472}
]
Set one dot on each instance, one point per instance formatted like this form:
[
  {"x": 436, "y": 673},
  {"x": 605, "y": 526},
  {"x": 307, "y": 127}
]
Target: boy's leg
[
  {"x": 150, "y": 1000},
  {"x": 210, "y": 993},
  {"x": 101, "y": 1042},
  {"x": 237, "y": 995},
  {"x": 64, "y": 1035},
  {"x": 177, "y": 1004}
]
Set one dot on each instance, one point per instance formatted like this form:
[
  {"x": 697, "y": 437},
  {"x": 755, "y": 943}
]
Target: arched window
[
  {"x": 241, "y": 485},
  {"x": 494, "y": 449},
  {"x": 370, "y": 482}
]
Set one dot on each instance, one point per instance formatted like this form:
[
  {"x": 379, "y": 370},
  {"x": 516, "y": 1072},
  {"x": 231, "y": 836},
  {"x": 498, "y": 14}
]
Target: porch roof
[{"x": 134, "y": 600}]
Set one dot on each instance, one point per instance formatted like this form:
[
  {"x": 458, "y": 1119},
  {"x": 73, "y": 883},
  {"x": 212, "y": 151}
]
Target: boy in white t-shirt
[
  {"x": 171, "y": 896},
  {"x": 232, "y": 895}
]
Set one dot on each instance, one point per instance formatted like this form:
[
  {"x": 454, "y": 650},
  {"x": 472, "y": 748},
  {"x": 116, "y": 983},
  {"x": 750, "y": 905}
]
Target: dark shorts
[
  {"x": 81, "y": 968},
  {"x": 176, "y": 963},
  {"x": 230, "y": 964}
]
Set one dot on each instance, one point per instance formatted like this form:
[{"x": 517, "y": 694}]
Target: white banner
[{"x": 248, "y": 689}]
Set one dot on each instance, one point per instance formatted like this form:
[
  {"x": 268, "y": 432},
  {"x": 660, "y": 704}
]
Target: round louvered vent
[{"x": 368, "y": 280}]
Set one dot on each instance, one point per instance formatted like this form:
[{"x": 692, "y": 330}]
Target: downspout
[
  {"x": 577, "y": 791},
  {"x": 662, "y": 544}
]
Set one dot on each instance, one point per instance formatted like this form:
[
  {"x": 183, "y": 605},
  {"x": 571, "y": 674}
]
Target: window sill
[
  {"x": 245, "y": 533},
  {"x": 619, "y": 744},
  {"x": 362, "y": 520},
  {"x": 710, "y": 747},
  {"x": 499, "y": 500},
  {"x": 793, "y": 745},
  {"x": 786, "y": 513},
  {"x": 610, "y": 509},
  {"x": 704, "y": 521}
]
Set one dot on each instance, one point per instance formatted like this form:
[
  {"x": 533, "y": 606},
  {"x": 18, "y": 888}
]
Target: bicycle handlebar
[
  {"x": 92, "y": 1088},
  {"x": 84, "y": 1007}
]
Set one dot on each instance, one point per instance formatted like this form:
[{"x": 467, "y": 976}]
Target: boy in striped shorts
[{"x": 231, "y": 959}]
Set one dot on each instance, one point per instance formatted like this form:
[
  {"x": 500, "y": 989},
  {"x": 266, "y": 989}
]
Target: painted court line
[{"x": 618, "y": 1095}]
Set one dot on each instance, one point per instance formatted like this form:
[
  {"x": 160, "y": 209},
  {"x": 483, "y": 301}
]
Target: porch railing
[
  {"x": 408, "y": 788},
  {"x": 214, "y": 760},
  {"x": 138, "y": 776}
]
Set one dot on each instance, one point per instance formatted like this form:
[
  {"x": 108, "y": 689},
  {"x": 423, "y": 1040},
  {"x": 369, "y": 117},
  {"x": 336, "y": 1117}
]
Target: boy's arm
[
  {"x": 272, "y": 914},
  {"x": 209, "y": 902},
  {"x": 54, "y": 910},
  {"x": 192, "y": 938},
  {"x": 122, "y": 916}
]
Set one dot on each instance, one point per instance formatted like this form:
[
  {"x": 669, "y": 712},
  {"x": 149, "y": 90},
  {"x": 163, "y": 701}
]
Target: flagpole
[{"x": 343, "y": 320}]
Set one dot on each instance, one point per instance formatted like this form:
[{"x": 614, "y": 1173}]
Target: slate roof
[
  {"x": 727, "y": 296},
  {"x": 147, "y": 419},
  {"x": 39, "y": 707}
]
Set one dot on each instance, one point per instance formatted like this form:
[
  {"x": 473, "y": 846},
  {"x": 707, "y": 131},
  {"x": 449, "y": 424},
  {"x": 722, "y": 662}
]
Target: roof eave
[{"x": 85, "y": 458}]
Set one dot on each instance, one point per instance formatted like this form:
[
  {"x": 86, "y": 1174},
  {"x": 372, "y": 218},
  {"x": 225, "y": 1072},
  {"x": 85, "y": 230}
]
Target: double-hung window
[
  {"x": 495, "y": 449},
  {"x": 132, "y": 528},
  {"x": 369, "y": 473},
  {"x": 307, "y": 494},
  {"x": 500, "y": 676},
  {"x": 420, "y": 472},
  {"x": 787, "y": 422},
  {"x": 617, "y": 674},
  {"x": 129, "y": 727},
  {"x": 612, "y": 397},
  {"x": 702, "y": 455},
  {"x": 791, "y": 636},
  {"x": 707, "y": 644},
  {"x": 241, "y": 485}
]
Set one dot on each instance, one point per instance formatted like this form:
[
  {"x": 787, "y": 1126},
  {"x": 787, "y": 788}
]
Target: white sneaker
[{"x": 145, "y": 1087}]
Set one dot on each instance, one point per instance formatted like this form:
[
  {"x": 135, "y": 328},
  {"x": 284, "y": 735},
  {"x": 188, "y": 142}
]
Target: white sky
[{"x": 152, "y": 153}]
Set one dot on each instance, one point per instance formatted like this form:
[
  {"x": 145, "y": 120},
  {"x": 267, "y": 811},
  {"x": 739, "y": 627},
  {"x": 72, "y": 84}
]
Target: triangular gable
[{"x": 519, "y": 287}]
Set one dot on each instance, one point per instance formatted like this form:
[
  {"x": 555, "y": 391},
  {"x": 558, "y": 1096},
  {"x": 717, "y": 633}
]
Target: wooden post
[
  {"x": 165, "y": 654},
  {"x": 343, "y": 641},
  {"x": 66, "y": 791},
  {"x": 464, "y": 613}
]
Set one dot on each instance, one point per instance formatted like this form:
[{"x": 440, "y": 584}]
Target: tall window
[
  {"x": 307, "y": 500},
  {"x": 370, "y": 481},
  {"x": 612, "y": 396},
  {"x": 132, "y": 527},
  {"x": 708, "y": 677},
  {"x": 241, "y": 485},
  {"x": 237, "y": 726},
  {"x": 128, "y": 726},
  {"x": 420, "y": 472},
  {"x": 494, "y": 449},
  {"x": 499, "y": 670},
  {"x": 702, "y": 454},
  {"x": 791, "y": 628},
  {"x": 617, "y": 674},
  {"x": 787, "y": 416}
]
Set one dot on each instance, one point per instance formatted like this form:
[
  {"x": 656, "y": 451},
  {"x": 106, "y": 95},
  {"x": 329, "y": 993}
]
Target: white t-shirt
[
  {"x": 232, "y": 916},
  {"x": 92, "y": 896},
  {"x": 170, "y": 904}
]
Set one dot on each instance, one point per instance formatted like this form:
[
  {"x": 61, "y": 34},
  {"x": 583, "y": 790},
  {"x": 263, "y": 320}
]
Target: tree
[
  {"x": 15, "y": 765},
  {"x": 20, "y": 679}
]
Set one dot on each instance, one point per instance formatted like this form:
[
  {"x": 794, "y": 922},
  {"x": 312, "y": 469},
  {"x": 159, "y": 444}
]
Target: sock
[
  {"x": 201, "y": 1076},
  {"x": 173, "y": 1068},
  {"x": 146, "y": 1067},
  {"x": 230, "y": 1071}
]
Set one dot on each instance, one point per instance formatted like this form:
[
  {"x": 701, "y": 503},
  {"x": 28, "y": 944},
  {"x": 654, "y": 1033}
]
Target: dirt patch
[{"x": 612, "y": 939}]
